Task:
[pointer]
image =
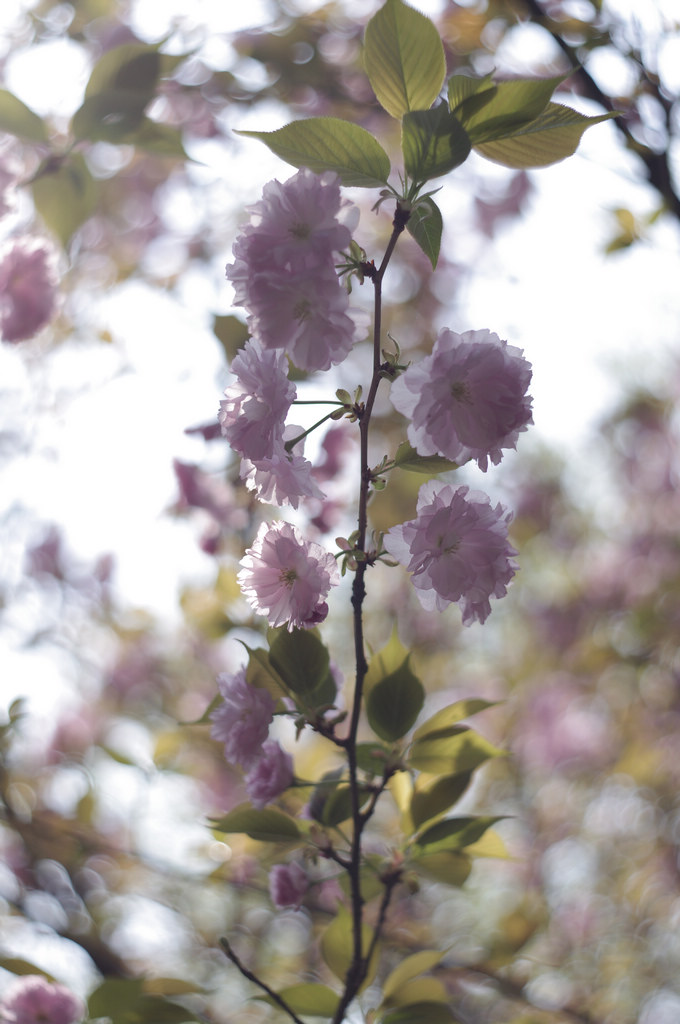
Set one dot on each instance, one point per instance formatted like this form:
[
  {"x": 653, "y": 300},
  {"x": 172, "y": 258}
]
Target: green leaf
[
  {"x": 420, "y": 1013},
  {"x": 267, "y": 826},
  {"x": 409, "y": 459},
  {"x": 410, "y": 968},
  {"x": 425, "y": 227},
  {"x": 15, "y": 965},
  {"x": 394, "y": 703},
  {"x": 451, "y": 715},
  {"x": 338, "y": 805},
  {"x": 19, "y": 120},
  {"x": 552, "y": 137},
  {"x": 330, "y": 144},
  {"x": 454, "y": 833},
  {"x": 132, "y": 67},
  {"x": 309, "y": 999},
  {"x": 65, "y": 195},
  {"x": 462, "y": 750},
  {"x": 447, "y": 866},
  {"x": 231, "y": 333},
  {"x": 512, "y": 104},
  {"x": 159, "y": 139},
  {"x": 337, "y": 947},
  {"x": 462, "y": 87},
  {"x": 387, "y": 660},
  {"x": 261, "y": 674},
  {"x": 109, "y": 116},
  {"x": 437, "y": 796},
  {"x": 433, "y": 143},
  {"x": 301, "y": 659},
  {"x": 372, "y": 757},
  {"x": 419, "y": 990},
  {"x": 115, "y": 997},
  {"x": 404, "y": 58}
]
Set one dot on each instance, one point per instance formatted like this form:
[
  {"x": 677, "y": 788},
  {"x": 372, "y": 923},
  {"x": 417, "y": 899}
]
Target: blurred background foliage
[{"x": 108, "y": 870}]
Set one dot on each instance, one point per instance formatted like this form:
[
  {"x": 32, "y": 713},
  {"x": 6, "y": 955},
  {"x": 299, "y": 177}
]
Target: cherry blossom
[
  {"x": 285, "y": 477},
  {"x": 457, "y": 549},
  {"x": 255, "y": 406},
  {"x": 32, "y": 999},
  {"x": 288, "y": 884},
  {"x": 467, "y": 400},
  {"x": 270, "y": 775},
  {"x": 286, "y": 577},
  {"x": 242, "y": 720},
  {"x": 27, "y": 289}
]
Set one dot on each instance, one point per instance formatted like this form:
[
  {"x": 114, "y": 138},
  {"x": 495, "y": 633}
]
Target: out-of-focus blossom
[
  {"x": 242, "y": 720},
  {"x": 285, "y": 477},
  {"x": 199, "y": 490},
  {"x": 32, "y": 999},
  {"x": 467, "y": 399},
  {"x": 457, "y": 549},
  {"x": 288, "y": 884},
  {"x": 286, "y": 578},
  {"x": 255, "y": 406},
  {"x": 284, "y": 270},
  {"x": 8, "y": 177},
  {"x": 270, "y": 775},
  {"x": 28, "y": 289},
  {"x": 490, "y": 211}
]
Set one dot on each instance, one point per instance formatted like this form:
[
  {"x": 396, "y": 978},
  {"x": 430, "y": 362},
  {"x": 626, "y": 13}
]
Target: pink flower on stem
[
  {"x": 270, "y": 775},
  {"x": 467, "y": 400},
  {"x": 242, "y": 720},
  {"x": 286, "y": 577},
  {"x": 255, "y": 406},
  {"x": 288, "y": 884},
  {"x": 27, "y": 289},
  {"x": 457, "y": 549},
  {"x": 284, "y": 271},
  {"x": 285, "y": 477},
  {"x": 32, "y": 999}
]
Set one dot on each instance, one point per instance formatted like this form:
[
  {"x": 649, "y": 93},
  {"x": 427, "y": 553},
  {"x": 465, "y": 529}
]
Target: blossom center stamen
[
  {"x": 460, "y": 392},
  {"x": 288, "y": 577}
]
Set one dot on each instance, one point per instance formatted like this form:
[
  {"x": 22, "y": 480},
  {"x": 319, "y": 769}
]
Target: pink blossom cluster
[
  {"x": 28, "y": 289},
  {"x": 467, "y": 399},
  {"x": 241, "y": 722},
  {"x": 456, "y": 548},
  {"x": 32, "y": 999},
  {"x": 284, "y": 270},
  {"x": 288, "y": 884}
]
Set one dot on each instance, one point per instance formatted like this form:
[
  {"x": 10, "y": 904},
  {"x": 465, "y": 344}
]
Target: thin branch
[{"x": 274, "y": 996}]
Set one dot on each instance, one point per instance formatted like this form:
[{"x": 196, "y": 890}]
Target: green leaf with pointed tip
[
  {"x": 408, "y": 458},
  {"x": 308, "y": 998},
  {"x": 458, "y": 750},
  {"x": 404, "y": 58},
  {"x": 65, "y": 195},
  {"x": 338, "y": 806},
  {"x": 514, "y": 103},
  {"x": 131, "y": 67},
  {"x": 19, "y": 120},
  {"x": 420, "y": 1013},
  {"x": 115, "y": 996},
  {"x": 394, "y": 703},
  {"x": 552, "y": 137},
  {"x": 454, "y": 833},
  {"x": 108, "y": 116},
  {"x": 437, "y": 797},
  {"x": 425, "y": 226},
  {"x": 452, "y": 714},
  {"x": 267, "y": 825},
  {"x": 330, "y": 144},
  {"x": 337, "y": 947},
  {"x": 301, "y": 659},
  {"x": 419, "y": 990},
  {"x": 159, "y": 139},
  {"x": 387, "y": 660},
  {"x": 433, "y": 143},
  {"x": 372, "y": 757}
]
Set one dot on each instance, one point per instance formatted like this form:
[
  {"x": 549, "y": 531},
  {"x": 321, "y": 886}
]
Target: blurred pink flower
[
  {"x": 255, "y": 406},
  {"x": 284, "y": 477},
  {"x": 457, "y": 549},
  {"x": 288, "y": 884},
  {"x": 242, "y": 720},
  {"x": 286, "y": 577},
  {"x": 28, "y": 289},
  {"x": 467, "y": 400},
  {"x": 32, "y": 999},
  {"x": 270, "y": 775}
]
